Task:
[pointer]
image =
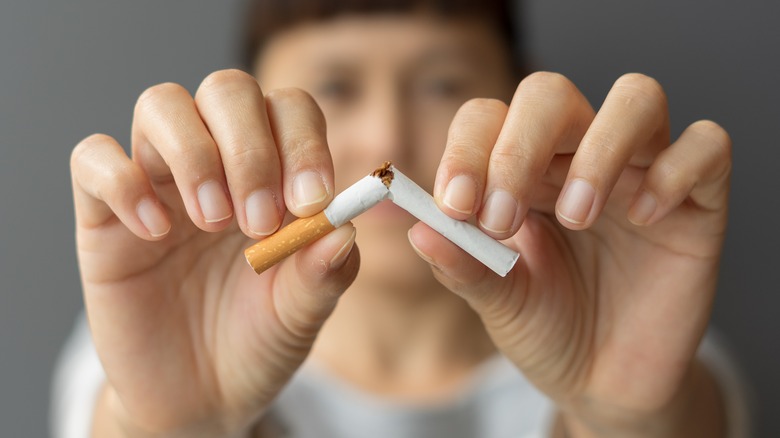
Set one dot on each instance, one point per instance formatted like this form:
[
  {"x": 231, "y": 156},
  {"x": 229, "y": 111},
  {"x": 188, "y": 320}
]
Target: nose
[{"x": 382, "y": 127}]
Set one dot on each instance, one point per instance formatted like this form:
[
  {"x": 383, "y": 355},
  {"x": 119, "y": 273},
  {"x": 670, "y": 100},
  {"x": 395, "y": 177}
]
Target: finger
[
  {"x": 484, "y": 290},
  {"x": 548, "y": 115},
  {"x": 107, "y": 184},
  {"x": 233, "y": 109},
  {"x": 298, "y": 127},
  {"x": 633, "y": 117},
  {"x": 445, "y": 256},
  {"x": 696, "y": 166},
  {"x": 308, "y": 285},
  {"x": 171, "y": 141},
  {"x": 460, "y": 179}
]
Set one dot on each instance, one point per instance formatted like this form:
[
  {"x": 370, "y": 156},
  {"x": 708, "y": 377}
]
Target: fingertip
[
  {"x": 338, "y": 259},
  {"x": 446, "y": 258},
  {"x": 332, "y": 252},
  {"x": 574, "y": 209},
  {"x": 215, "y": 205},
  {"x": 416, "y": 244},
  {"x": 643, "y": 209},
  {"x": 153, "y": 218},
  {"x": 502, "y": 215},
  {"x": 459, "y": 197},
  {"x": 310, "y": 193},
  {"x": 262, "y": 214}
]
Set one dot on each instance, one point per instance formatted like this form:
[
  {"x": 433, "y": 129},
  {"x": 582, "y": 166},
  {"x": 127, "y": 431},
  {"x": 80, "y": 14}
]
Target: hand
[
  {"x": 619, "y": 233},
  {"x": 193, "y": 342}
]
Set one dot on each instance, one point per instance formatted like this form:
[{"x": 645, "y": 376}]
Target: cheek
[
  {"x": 430, "y": 138},
  {"x": 349, "y": 161},
  {"x": 417, "y": 141}
]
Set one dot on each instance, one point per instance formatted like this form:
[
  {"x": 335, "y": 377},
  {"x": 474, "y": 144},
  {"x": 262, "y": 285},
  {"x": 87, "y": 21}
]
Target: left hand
[{"x": 620, "y": 235}]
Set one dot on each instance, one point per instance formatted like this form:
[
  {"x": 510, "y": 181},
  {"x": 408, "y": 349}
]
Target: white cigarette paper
[
  {"x": 355, "y": 200},
  {"x": 408, "y": 195},
  {"x": 386, "y": 182}
]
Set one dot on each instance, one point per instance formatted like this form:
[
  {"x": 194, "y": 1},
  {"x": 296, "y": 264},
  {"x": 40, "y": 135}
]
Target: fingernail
[
  {"x": 577, "y": 201},
  {"x": 214, "y": 202},
  {"x": 308, "y": 189},
  {"x": 642, "y": 209},
  {"x": 499, "y": 212},
  {"x": 341, "y": 255},
  {"x": 153, "y": 217},
  {"x": 460, "y": 194},
  {"x": 262, "y": 213},
  {"x": 417, "y": 250}
]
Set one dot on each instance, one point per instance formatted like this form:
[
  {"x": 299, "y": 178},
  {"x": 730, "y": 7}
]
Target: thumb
[
  {"x": 489, "y": 294},
  {"x": 299, "y": 294},
  {"x": 308, "y": 285}
]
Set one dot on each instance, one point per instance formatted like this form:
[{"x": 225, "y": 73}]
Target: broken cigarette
[
  {"x": 347, "y": 205},
  {"x": 386, "y": 182}
]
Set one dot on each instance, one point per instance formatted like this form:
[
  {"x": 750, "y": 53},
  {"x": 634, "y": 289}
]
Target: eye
[
  {"x": 444, "y": 88},
  {"x": 337, "y": 89}
]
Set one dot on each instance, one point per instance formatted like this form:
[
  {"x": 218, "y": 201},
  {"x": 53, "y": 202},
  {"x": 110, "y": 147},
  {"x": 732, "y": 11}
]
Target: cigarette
[
  {"x": 347, "y": 205},
  {"x": 408, "y": 195},
  {"x": 386, "y": 182}
]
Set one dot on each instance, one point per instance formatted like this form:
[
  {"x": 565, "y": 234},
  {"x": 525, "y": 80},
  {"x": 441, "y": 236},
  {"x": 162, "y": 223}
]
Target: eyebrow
[
  {"x": 437, "y": 55},
  {"x": 450, "y": 54}
]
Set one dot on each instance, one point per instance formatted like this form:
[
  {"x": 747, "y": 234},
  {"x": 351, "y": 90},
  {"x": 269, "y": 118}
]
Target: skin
[{"x": 603, "y": 312}]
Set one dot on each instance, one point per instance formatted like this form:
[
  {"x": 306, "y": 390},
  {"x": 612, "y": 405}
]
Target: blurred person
[{"x": 594, "y": 333}]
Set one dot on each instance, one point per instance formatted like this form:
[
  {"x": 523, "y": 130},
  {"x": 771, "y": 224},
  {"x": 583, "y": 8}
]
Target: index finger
[{"x": 233, "y": 108}]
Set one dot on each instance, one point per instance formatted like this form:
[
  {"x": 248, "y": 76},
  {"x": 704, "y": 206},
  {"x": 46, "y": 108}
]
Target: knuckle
[
  {"x": 115, "y": 180},
  {"x": 156, "y": 94},
  {"x": 293, "y": 97},
  {"x": 715, "y": 134},
  {"x": 290, "y": 94},
  {"x": 509, "y": 157},
  {"x": 305, "y": 325},
  {"x": 469, "y": 125},
  {"x": 195, "y": 154},
  {"x": 464, "y": 151},
  {"x": 547, "y": 83},
  {"x": 110, "y": 175},
  {"x": 719, "y": 141},
  {"x": 601, "y": 145},
  {"x": 483, "y": 105},
  {"x": 245, "y": 160},
  {"x": 672, "y": 176},
  {"x": 303, "y": 149},
  {"x": 227, "y": 80},
  {"x": 644, "y": 88},
  {"x": 86, "y": 147}
]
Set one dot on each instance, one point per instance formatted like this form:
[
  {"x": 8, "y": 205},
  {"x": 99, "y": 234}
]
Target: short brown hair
[{"x": 266, "y": 17}]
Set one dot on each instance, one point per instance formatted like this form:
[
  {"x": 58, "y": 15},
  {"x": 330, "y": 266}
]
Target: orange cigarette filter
[{"x": 286, "y": 241}]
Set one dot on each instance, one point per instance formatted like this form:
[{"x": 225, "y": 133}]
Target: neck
[{"x": 416, "y": 343}]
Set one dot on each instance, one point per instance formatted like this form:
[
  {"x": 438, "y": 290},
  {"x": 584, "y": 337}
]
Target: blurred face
[{"x": 389, "y": 86}]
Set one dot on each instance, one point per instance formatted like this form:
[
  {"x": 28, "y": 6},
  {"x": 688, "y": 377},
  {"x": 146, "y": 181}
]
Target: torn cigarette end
[
  {"x": 385, "y": 173},
  {"x": 285, "y": 242}
]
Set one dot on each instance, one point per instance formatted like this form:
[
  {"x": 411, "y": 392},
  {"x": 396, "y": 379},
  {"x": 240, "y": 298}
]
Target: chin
[{"x": 387, "y": 257}]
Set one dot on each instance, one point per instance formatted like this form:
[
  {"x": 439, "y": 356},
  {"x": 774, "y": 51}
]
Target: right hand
[{"x": 192, "y": 341}]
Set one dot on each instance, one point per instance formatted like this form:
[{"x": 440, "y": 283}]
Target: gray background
[{"x": 68, "y": 69}]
